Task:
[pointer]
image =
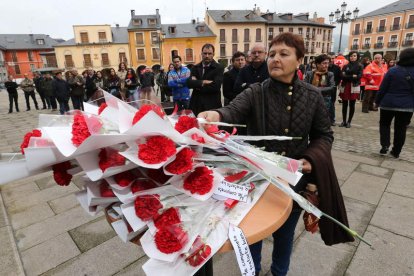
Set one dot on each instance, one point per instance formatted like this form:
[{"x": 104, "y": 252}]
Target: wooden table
[{"x": 266, "y": 216}]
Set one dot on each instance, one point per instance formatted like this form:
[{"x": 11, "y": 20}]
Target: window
[
  {"x": 300, "y": 31},
  {"x": 234, "y": 35},
  {"x": 369, "y": 28},
  {"x": 154, "y": 38},
  {"x": 222, "y": 50},
  {"x": 141, "y": 54},
  {"x": 137, "y": 22},
  {"x": 355, "y": 42},
  {"x": 222, "y": 35},
  {"x": 102, "y": 36},
  {"x": 152, "y": 21},
  {"x": 84, "y": 37},
  {"x": 87, "y": 61},
  {"x": 171, "y": 29},
  {"x": 307, "y": 32},
  {"x": 69, "y": 61},
  {"x": 367, "y": 40},
  {"x": 233, "y": 48},
  {"x": 122, "y": 57},
  {"x": 357, "y": 29},
  {"x": 40, "y": 41},
  {"x": 270, "y": 35},
  {"x": 409, "y": 37},
  {"x": 381, "y": 26},
  {"x": 139, "y": 38},
  {"x": 155, "y": 53},
  {"x": 290, "y": 30},
  {"x": 30, "y": 55},
  {"x": 246, "y": 35},
  {"x": 280, "y": 30},
  {"x": 258, "y": 34},
  {"x": 396, "y": 23},
  {"x": 105, "y": 59},
  {"x": 17, "y": 69},
  {"x": 189, "y": 56},
  {"x": 201, "y": 29},
  {"x": 380, "y": 39},
  {"x": 410, "y": 23},
  {"x": 246, "y": 48},
  {"x": 14, "y": 56},
  {"x": 329, "y": 34},
  {"x": 393, "y": 38}
]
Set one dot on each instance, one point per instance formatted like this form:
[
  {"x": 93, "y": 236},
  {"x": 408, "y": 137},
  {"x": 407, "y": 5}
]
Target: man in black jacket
[
  {"x": 229, "y": 78},
  {"x": 206, "y": 79},
  {"x": 11, "y": 87},
  {"x": 37, "y": 81},
  {"x": 336, "y": 70},
  {"x": 255, "y": 72},
  {"x": 61, "y": 91}
]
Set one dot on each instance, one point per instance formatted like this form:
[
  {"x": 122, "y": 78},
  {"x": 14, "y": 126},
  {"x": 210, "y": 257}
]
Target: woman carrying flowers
[{"x": 284, "y": 105}]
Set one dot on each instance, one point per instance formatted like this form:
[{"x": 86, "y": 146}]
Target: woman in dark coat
[
  {"x": 350, "y": 88},
  {"x": 396, "y": 100},
  {"x": 284, "y": 105},
  {"x": 113, "y": 84}
]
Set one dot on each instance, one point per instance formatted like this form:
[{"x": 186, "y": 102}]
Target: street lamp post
[{"x": 341, "y": 17}]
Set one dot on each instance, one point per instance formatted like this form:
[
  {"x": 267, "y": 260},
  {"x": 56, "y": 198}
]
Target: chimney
[
  {"x": 117, "y": 26},
  {"x": 157, "y": 11},
  {"x": 31, "y": 38},
  {"x": 132, "y": 13},
  {"x": 193, "y": 21},
  {"x": 315, "y": 15}
]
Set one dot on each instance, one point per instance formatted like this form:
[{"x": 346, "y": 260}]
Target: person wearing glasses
[{"x": 255, "y": 72}]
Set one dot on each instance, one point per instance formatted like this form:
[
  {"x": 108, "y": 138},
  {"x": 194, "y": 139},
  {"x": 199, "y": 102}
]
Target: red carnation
[
  {"x": 145, "y": 109},
  {"x": 60, "y": 173},
  {"x": 105, "y": 190},
  {"x": 182, "y": 163},
  {"x": 157, "y": 149},
  {"x": 147, "y": 206},
  {"x": 158, "y": 175},
  {"x": 27, "y": 136},
  {"x": 171, "y": 239},
  {"x": 110, "y": 157},
  {"x": 142, "y": 185},
  {"x": 102, "y": 107},
  {"x": 123, "y": 179},
  {"x": 80, "y": 130},
  {"x": 185, "y": 123},
  {"x": 200, "y": 181},
  {"x": 169, "y": 217}
]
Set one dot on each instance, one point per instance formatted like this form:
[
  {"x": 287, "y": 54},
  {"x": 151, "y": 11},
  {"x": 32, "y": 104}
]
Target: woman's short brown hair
[{"x": 291, "y": 40}]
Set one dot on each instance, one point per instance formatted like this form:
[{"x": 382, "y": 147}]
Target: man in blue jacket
[{"x": 177, "y": 80}]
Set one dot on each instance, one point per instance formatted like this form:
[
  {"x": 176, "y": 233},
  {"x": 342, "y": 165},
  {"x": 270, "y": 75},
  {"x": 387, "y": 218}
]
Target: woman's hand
[
  {"x": 307, "y": 166},
  {"x": 210, "y": 116}
]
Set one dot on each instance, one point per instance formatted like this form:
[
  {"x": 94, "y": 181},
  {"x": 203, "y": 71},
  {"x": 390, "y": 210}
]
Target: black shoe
[
  {"x": 17, "y": 110},
  {"x": 37, "y": 108},
  {"x": 384, "y": 150},
  {"x": 343, "y": 124},
  {"x": 10, "y": 112},
  {"x": 394, "y": 154},
  {"x": 348, "y": 125}
]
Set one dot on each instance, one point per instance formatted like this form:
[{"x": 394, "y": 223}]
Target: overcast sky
[{"x": 56, "y": 17}]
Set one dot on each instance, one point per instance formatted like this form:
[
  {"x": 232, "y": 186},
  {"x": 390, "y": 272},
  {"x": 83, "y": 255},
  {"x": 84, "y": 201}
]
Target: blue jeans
[
  {"x": 282, "y": 246},
  {"x": 329, "y": 106}
]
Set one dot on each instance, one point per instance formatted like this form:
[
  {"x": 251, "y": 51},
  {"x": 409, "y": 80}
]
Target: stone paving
[{"x": 44, "y": 231}]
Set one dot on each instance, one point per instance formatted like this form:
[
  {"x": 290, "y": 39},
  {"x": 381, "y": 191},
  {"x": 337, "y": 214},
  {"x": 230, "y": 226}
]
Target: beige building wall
[{"x": 387, "y": 33}]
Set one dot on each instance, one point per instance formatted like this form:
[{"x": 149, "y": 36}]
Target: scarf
[{"x": 320, "y": 79}]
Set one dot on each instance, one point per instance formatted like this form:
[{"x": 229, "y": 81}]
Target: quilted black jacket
[{"x": 293, "y": 110}]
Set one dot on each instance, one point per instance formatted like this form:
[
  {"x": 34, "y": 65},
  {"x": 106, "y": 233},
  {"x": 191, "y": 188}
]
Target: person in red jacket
[{"x": 373, "y": 74}]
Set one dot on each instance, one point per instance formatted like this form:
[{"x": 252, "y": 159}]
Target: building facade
[
  {"x": 386, "y": 31},
  {"x": 3, "y": 70},
  {"x": 185, "y": 40},
  {"x": 96, "y": 46},
  {"x": 23, "y": 53},
  {"x": 239, "y": 30}
]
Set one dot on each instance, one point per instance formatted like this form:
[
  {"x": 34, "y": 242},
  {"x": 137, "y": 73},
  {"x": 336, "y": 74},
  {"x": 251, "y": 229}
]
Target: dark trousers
[
  {"x": 182, "y": 104},
  {"x": 282, "y": 246},
  {"x": 345, "y": 110},
  {"x": 51, "y": 102},
  {"x": 332, "y": 106},
  {"x": 43, "y": 98},
  {"x": 368, "y": 101},
  {"x": 13, "y": 97},
  {"x": 401, "y": 122},
  {"x": 63, "y": 106},
  {"x": 77, "y": 102},
  {"x": 33, "y": 96}
]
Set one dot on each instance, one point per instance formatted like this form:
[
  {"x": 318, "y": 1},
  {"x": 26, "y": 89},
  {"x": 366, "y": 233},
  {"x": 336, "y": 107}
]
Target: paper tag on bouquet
[
  {"x": 232, "y": 190},
  {"x": 241, "y": 248}
]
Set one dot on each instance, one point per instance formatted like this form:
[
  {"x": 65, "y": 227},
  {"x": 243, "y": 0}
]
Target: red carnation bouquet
[
  {"x": 102, "y": 108},
  {"x": 106, "y": 190},
  {"x": 80, "y": 131},
  {"x": 148, "y": 206},
  {"x": 157, "y": 149},
  {"x": 169, "y": 217},
  {"x": 60, "y": 173},
  {"x": 185, "y": 123},
  {"x": 110, "y": 157},
  {"x": 140, "y": 185},
  {"x": 124, "y": 179},
  {"x": 183, "y": 162},
  {"x": 170, "y": 239},
  {"x": 144, "y": 109},
  {"x": 27, "y": 136},
  {"x": 200, "y": 181}
]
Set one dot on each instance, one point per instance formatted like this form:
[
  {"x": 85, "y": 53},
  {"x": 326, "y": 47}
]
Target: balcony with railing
[
  {"x": 395, "y": 27},
  {"x": 381, "y": 29},
  {"x": 379, "y": 45},
  {"x": 368, "y": 31},
  {"x": 354, "y": 47},
  {"x": 366, "y": 46},
  {"x": 407, "y": 43},
  {"x": 409, "y": 25},
  {"x": 356, "y": 32},
  {"x": 392, "y": 44}
]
